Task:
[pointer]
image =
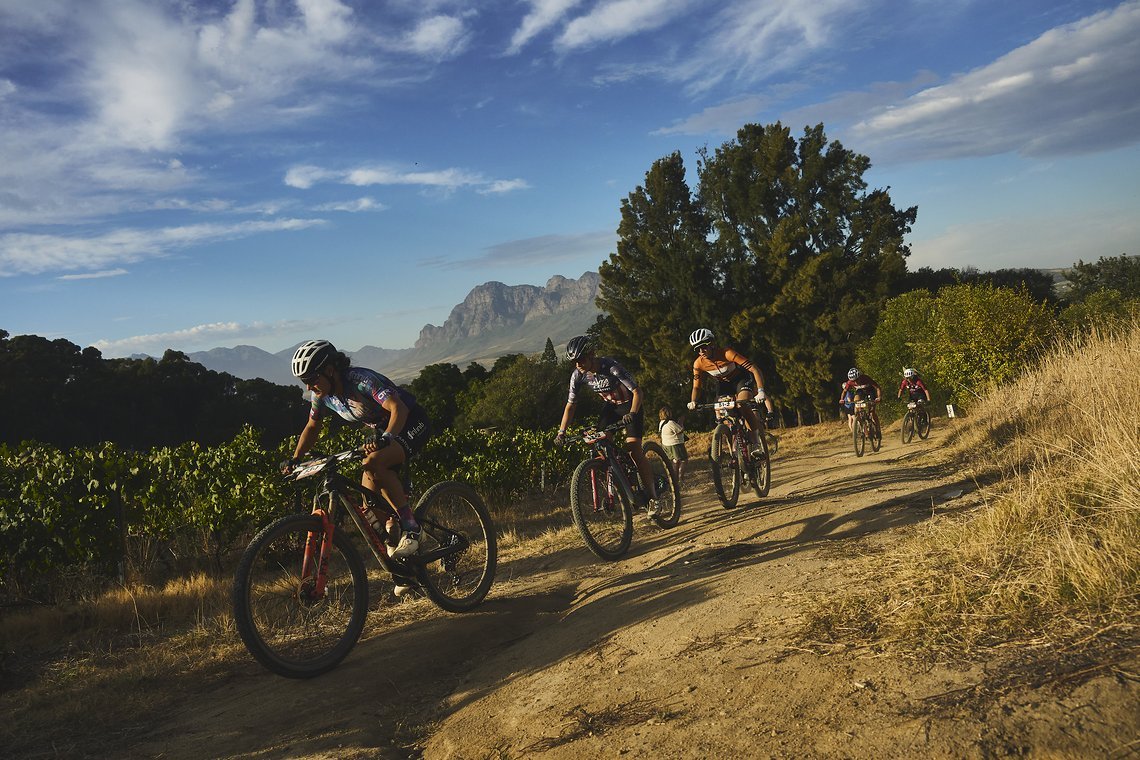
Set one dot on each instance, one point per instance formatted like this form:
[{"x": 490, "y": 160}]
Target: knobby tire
[
  {"x": 923, "y": 424},
  {"x": 859, "y": 436},
  {"x": 600, "y": 510},
  {"x": 668, "y": 494},
  {"x": 452, "y": 514},
  {"x": 285, "y": 629},
  {"x": 908, "y": 427},
  {"x": 725, "y": 473},
  {"x": 760, "y": 469}
]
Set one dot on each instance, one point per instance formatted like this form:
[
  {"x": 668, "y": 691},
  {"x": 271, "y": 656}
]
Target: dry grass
[{"x": 1054, "y": 554}]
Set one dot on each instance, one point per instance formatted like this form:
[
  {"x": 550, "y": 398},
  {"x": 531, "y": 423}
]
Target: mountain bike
[
  {"x": 916, "y": 419},
  {"x": 733, "y": 462},
  {"x": 300, "y": 594},
  {"x": 604, "y": 487},
  {"x": 865, "y": 427}
]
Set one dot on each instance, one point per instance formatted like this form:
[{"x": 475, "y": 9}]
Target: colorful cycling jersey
[
  {"x": 722, "y": 363},
  {"x": 611, "y": 382},
  {"x": 365, "y": 392},
  {"x": 860, "y": 383},
  {"x": 914, "y": 388}
]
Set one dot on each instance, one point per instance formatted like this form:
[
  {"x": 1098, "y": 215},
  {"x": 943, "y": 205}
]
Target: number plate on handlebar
[
  {"x": 912, "y": 405},
  {"x": 860, "y": 404},
  {"x": 309, "y": 468},
  {"x": 724, "y": 405},
  {"x": 593, "y": 436}
]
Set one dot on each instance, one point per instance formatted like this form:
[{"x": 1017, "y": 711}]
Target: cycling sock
[{"x": 407, "y": 519}]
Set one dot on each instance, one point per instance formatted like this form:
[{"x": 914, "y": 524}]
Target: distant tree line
[{"x": 62, "y": 395}]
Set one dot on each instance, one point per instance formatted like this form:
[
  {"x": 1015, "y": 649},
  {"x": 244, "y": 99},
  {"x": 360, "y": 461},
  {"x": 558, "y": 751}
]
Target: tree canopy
[{"x": 782, "y": 251}]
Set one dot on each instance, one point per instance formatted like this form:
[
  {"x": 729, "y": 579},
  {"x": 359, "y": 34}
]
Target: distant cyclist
[
  {"x": 361, "y": 395},
  {"x": 859, "y": 386},
  {"x": 735, "y": 375},
  {"x": 623, "y": 402},
  {"x": 913, "y": 386}
]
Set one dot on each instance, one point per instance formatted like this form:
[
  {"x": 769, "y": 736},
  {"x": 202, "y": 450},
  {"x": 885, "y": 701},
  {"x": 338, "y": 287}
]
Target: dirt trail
[{"x": 687, "y": 647}]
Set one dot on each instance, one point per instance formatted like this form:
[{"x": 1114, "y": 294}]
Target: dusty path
[{"x": 688, "y": 647}]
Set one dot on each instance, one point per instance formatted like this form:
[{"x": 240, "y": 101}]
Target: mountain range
[{"x": 494, "y": 319}]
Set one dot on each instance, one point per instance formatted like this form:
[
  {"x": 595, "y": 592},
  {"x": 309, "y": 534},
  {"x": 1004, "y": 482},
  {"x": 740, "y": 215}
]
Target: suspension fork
[{"x": 318, "y": 549}]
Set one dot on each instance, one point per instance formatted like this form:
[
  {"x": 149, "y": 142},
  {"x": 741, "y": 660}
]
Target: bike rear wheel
[
  {"x": 907, "y": 427},
  {"x": 859, "y": 436},
  {"x": 600, "y": 510},
  {"x": 452, "y": 515},
  {"x": 923, "y": 424},
  {"x": 286, "y": 626},
  {"x": 725, "y": 472},
  {"x": 875, "y": 434},
  {"x": 668, "y": 495}
]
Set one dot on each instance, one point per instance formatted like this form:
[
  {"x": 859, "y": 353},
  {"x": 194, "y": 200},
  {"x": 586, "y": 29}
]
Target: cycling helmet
[
  {"x": 578, "y": 347},
  {"x": 909, "y": 373},
  {"x": 853, "y": 373},
  {"x": 702, "y": 336},
  {"x": 311, "y": 356}
]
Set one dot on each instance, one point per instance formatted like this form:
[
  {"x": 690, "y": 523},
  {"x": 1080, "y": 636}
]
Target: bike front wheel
[
  {"x": 875, "y": 434},
  {"x": 923, "y": 424},
  {"x": 725, "y": 473},
  {"x": 908, "y": 427},
  {"x": 286, "y": 624},
  {"x": 600, "y": 510},
  {"x": 760, "y": 468},
  {"x": 457, "y": 546},
  {"x": 668, "y": 495}
]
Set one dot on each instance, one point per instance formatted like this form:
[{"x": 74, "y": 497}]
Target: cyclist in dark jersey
[
  {"x": 361, "y": 395},
  {"x": 623, "y": 400}
]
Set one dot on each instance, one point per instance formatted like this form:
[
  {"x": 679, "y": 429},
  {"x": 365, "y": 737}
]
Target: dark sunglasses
[
  {"x": 310, "y": 378},
  {"x": 702, "y": 347}
]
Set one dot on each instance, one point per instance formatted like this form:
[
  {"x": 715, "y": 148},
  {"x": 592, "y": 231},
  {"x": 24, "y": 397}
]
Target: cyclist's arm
[
  {"x": 567, "y": 416},
  {"x": 635, "y": 404},
  {"x": 308, "y": 437},
  {"x": 696, "y": 383},
  {"x": 397, "y": 413}
]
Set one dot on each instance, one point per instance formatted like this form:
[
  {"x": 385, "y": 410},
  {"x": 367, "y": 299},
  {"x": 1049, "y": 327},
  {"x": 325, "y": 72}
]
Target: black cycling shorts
[
  {"x": 417, "y": 429},
  {"x": 734, "y": 386},
  {"x": 612, "y": 413}
]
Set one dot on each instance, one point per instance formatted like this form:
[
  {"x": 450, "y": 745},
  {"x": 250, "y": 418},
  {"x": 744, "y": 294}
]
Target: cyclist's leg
[{"x": 744, "y": 390}]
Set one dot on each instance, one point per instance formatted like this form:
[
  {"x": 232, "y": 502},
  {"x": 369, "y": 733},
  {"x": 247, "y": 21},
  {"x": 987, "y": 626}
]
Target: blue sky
[{"x": 187, "y": 174}]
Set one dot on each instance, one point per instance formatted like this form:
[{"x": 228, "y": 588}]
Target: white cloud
[
  {"x": 590, "y": 245},
  {"x": 616, "y": 19},
  {"x": 94, "y": 275},
  {"x": 543, "y": 15},
  {"x": 23, "y": 253},
  {"x": 722, "y": 118},
  {"x": 304, "y": 177},
  {"x": 1071, "y": 90},
  {"x": 438, "y": 37},
  {"x": 360, "y": 204}
]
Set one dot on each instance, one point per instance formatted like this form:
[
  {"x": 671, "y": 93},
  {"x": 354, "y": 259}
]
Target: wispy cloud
[
  {"x": 94, "y": 275},
  {"x": 720, "y": 119},
  {"x": 527, "y": 250},
  {"x": 23, "y": 253},
  {"x": 353, "y": 206},
  {"x": 304, "y": 177},
  {"x": 613, "y": 20},
  {"x": 1071, "y": 90},
  {"x": 200, "y": 336},
  {"x": 543, "y": 15}
]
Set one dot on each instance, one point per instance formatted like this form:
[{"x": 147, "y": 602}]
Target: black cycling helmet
[
  {"x": 578, "y": 347},
  {"x": 311, "y": 356}
]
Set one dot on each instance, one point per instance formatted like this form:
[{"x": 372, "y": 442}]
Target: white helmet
[
  {"x": 702, "y": 336},
  {"x": 311, "y": 356},
  {"x": 909, "y": 373},
  {"x": 853, "y": 373}
]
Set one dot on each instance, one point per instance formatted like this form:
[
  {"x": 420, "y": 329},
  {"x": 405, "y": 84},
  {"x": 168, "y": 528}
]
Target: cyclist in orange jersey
[{"x": 735, "y": 374}]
